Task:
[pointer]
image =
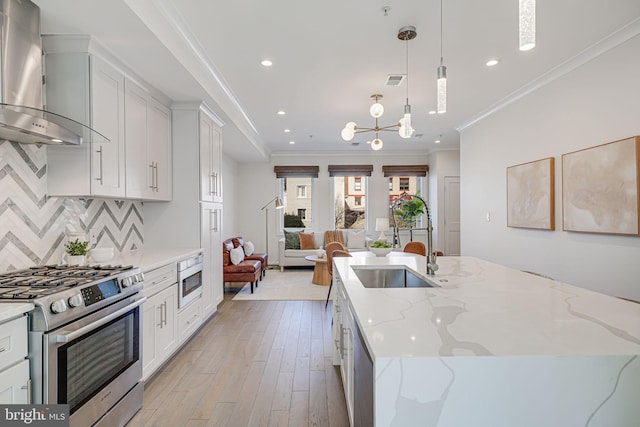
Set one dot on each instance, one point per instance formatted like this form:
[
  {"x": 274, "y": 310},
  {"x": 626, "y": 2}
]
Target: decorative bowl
[
  {"x": 381, "y": 251},
  {"x": 102, "y": 254}
]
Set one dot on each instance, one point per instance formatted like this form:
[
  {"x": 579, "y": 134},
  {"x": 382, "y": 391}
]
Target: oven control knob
[
  {"x": 75, "y": 301},
  {"x": 58, "y": 306},
  {"x": 125, "y": 282}
]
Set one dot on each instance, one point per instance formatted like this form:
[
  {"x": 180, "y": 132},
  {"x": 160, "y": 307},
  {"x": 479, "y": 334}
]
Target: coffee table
[{"x": 321, "y": 274}]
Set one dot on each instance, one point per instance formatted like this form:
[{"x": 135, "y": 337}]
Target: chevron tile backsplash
[{"x": 34, "y": 227}]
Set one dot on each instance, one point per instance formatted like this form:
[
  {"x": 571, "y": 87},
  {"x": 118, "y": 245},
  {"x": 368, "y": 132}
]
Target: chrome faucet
[{"x": 432, "y": 266}]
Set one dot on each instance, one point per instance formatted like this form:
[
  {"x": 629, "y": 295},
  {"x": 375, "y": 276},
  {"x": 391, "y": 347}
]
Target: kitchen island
[{"x": 489, "y": 345}]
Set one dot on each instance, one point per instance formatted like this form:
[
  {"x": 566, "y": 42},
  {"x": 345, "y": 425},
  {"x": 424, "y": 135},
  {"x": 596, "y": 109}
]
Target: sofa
[
  {"x": 246, "y": 268},
  {"x": 289, "y": 256}
]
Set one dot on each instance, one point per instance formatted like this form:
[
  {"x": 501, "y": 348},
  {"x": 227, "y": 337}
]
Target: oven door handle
[{"x": 71, "y": 335}]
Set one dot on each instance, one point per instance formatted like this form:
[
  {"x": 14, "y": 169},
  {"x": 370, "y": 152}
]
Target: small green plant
[
  {"x": 379, "y": 244},
  {"x": 409, "y": 211},
  {"x": 77, "y": 247}
]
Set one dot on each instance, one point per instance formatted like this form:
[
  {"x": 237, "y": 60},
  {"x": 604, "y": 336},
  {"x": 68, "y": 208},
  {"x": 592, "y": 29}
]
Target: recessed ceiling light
[
  {"x": 287, "y": 130},
  {"x": 281, "y": 113},
  {"x": 437, "y": 141},
  {"x": 432, "y": 112},
  {"x": 492, "y": 62},
  {"x": 292, "y": 142},
  {"x": 266, "y": 63}
]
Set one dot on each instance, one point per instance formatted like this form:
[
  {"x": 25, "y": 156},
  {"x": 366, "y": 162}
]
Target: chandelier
[{"x": 403, "y": 126}]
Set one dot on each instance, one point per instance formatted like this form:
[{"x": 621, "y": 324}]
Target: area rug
[{"x": 290, "y": 285}]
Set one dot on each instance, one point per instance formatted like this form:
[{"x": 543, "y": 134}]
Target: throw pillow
[
  {"x": 237, "y": 255},
  {"x": 249, "y": 248},
  {"x": 356, "y": 239},
  {"x": 291, "y": 240},
  {"x": 307, "y": 241}
]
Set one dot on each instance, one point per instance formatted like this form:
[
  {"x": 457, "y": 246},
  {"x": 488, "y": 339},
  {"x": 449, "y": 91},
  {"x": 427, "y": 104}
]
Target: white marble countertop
[
  {"x": 149, "y": 259},
  {"x": 10, "y": 310},
  {"x": 485, "y": 309}
]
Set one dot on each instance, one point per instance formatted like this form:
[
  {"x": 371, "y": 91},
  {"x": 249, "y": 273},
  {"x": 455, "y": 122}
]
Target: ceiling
[{"x": 330, "y": 56}]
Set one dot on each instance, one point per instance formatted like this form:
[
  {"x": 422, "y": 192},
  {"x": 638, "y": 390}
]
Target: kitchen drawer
[
  {"x": 189, "y": 320},
  {"x": 158, "y": 279},
  {"x": 13, "y": 341}
]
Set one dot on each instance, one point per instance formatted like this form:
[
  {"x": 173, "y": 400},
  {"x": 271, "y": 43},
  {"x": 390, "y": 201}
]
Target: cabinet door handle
[
  {"x": 156, "y": 169},
  {"x": 215, "y": 184},
  {"x": 341, "y": 342},
  {"x": 152, "y": 187},
  {"x": 160, "y": 308},
  {"x": 99, "y": 151},
  {"x": 28, "y": 388},
  {"x": 3, "y": 349},
  {"x": 215, "y": 215},
  {"x": 165, "y": 313},
  {"x": 211, "y": 184}
]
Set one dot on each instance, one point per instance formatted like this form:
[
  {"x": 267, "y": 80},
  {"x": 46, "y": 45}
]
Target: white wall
[
  {"x": 441, "y": 165},
  {"x": 594, "y": 104},
  {"x": 257, "y": 184},
  {"x": 230, "y": 194}
]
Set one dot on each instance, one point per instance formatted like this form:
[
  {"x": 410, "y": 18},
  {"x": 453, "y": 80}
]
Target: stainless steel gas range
[{"x": 84, "y": 338}]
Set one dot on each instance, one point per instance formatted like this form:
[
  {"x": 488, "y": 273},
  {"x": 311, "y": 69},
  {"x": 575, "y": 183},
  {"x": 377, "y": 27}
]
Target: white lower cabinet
[
  {"x": 14, "y": 384},
  {"x": 14, "y": 366},
  {"x": 159, "y": 330},
  {"x": 211, "y": 235},
  {"x": 189, "y": 320},
  {"x": 343, "y": 336}
]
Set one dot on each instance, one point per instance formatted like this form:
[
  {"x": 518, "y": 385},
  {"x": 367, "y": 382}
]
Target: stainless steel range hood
[{"x": 22, "y": 118}]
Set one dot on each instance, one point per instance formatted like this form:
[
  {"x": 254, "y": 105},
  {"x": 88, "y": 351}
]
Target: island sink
[{"x": 390, "y": 278}]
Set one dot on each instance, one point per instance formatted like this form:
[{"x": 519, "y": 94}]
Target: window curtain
[
  {"x": 296, "y": 171},
  {"x": 405, "y": 170},
  {"x": 350, "y": 170}
]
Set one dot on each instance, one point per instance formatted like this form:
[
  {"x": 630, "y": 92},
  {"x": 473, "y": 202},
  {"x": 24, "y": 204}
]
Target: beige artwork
[
  {"x": 600, "y": 188},
  {"x": 530, "y": 195}
]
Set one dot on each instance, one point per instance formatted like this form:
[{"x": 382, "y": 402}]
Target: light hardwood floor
[{"x": 255, "y": 363}]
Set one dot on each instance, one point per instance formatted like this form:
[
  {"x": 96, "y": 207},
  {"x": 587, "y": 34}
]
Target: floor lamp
[{"x": 279, "y": 205}]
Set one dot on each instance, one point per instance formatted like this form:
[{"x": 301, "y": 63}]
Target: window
[
  {"x": 404, "y": 184},
  {"x": 297, "y": 200},
  {"x": 347, "y": 187},
  {"x": 357, "y": 183},
  {"x": 349, "y": 203}
]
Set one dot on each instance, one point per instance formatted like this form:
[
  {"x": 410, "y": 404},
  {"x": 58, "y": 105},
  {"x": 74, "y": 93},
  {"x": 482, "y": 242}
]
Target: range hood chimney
[{"x": 22, "y": 118}]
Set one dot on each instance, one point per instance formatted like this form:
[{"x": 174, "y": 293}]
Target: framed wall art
[
  {"x": 530, "y": 195},
  {"x": 600, "y": 188}
]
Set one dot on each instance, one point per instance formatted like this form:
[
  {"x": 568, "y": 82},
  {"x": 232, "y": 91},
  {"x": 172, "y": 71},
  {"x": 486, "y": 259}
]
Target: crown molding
[{"x": 613, "y": 40}]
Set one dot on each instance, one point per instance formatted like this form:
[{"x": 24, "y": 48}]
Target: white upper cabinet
[
  {"x": 148, "y": 145},
  {"x": 210, "y": 158},
  {"x": 86, "y": 88}
]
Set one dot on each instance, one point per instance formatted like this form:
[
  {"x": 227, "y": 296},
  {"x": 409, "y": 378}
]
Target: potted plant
[
  {"x": 76, "y": 252},
  {"x": 408, "y": 212}
]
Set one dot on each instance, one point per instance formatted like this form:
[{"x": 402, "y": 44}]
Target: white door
[
  {"x": 159, "y": 140},
  {"x": 452, "y": 215},
  {"x": 139, "y": 169}
]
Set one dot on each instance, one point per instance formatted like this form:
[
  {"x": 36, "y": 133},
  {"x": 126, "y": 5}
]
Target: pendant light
[
  {"x": 527, "y": 24},
  {"x": 403, "y": 126},
  {"x": 442, "y": 77},
  {"x": 405, "y": 130}
]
